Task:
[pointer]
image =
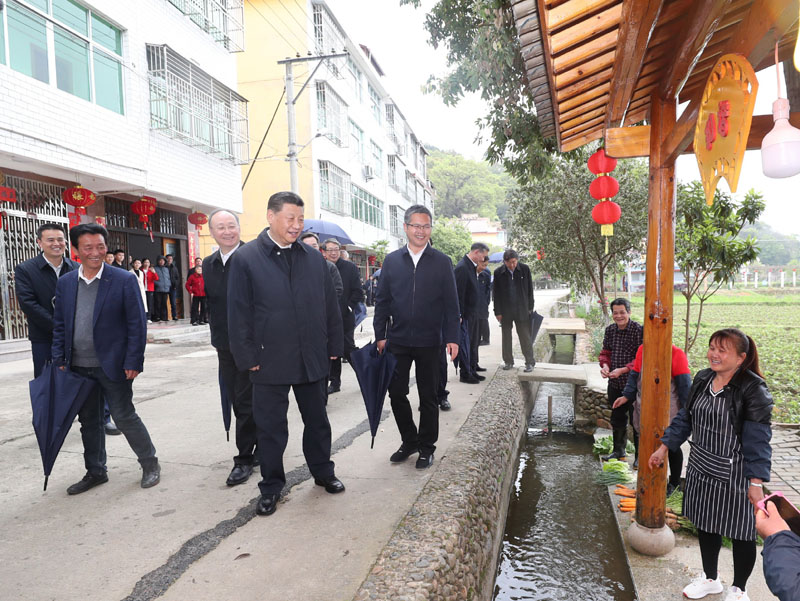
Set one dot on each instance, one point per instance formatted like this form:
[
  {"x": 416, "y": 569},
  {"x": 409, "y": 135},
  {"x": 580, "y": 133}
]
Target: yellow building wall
[{"x": 261, "y": 82}]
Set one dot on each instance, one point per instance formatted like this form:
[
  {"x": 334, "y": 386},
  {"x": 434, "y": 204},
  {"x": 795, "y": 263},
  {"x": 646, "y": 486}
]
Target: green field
[{"x": 770, "y": 318}]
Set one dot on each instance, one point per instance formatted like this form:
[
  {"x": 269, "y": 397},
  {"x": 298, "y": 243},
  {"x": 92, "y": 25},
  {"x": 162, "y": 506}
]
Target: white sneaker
[
  {"x": 702, "y": 586},
  {"x": 736, "y": 594}
]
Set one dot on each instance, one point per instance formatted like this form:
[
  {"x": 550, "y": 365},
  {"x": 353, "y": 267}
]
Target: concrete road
[{"x": 192, "y": 537}]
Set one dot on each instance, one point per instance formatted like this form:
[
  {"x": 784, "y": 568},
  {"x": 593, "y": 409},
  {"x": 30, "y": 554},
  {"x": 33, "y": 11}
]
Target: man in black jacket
[
  {"x": 284, "y": 327},
  {"x": 175, "y": 285},
  {"x": 485, "y": 285},
  {"x": 35, "y": 288},
  {"x": 352, "y": 294},
  {"x": 513, "y": 304},
  {"x": 226, "y": 232},
  {"x": 417, "y": 295},
  {"x": 469, "y": 299}
]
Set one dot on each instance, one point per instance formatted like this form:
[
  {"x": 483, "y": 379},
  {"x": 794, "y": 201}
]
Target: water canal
[{"x": 561, "y": 539}]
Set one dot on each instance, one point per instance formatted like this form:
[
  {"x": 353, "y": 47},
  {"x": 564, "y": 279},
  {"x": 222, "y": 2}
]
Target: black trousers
[
  {"x": 159, "y": 312},
  {"x": 622, "y": 415},
  {"x": 173, "y": 301},
  {"x": 150, "y": 308},
  {"x": 41, "y": 352},
  {"x": 237, "y": 383},
  {"x": 335, "y": 374},
  {"x": 270, "y": 404},
  {"x": 523, "y": 325},
  {"x": 426, "y": 360},
  {"x": 474, "y": 329},
  {"x": 483, "y": 324},
  {"x": 199, "y": 309},
  {"x": 441, "y": 389}
]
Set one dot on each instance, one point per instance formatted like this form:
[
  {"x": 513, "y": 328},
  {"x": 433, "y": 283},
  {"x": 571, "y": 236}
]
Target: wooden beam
[
  {"x": 697, "y": 31},
  {"x": 583, "y": 118},
  {"x": 581, "y": 139},
  {"x": 585, "y": 69},
  {"x": 587, "y": 106},
  {"x": 583, "y": 85},
  {"x": 545, "y": 25},
  {"x": 591, "y": 124},
  {"x": 569, "y": 12},
  {"x": 638, "y": 22},
  {"x": 599, "y": 45},
  {"x": 585, "y": 28},
  {"x": 578, "y": 100},
  {"x": 754, "y": 37}
]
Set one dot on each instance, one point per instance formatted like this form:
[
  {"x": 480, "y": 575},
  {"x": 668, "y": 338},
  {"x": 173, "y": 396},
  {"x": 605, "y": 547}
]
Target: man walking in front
[
  {"x": 352, "y": 294},
  {"x": 100, "y": 331},
  {"x": 469, "y": 299},
  {"x": 415, "y": 307},
  {"x": 513, "y": 304},
  {"x": 284, "y": 327},
  {"x": 226, "y": 231}
]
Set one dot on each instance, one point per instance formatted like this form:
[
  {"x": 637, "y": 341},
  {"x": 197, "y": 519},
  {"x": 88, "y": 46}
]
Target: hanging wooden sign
[{"x": 723, "y": 124}]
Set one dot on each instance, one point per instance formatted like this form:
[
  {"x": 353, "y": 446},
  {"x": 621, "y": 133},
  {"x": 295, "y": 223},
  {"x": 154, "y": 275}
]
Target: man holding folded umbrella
[
  {"x": 469, "y": 300},
  {"x": 513, "y": 304},
  {"x": 417, "y": 296}
]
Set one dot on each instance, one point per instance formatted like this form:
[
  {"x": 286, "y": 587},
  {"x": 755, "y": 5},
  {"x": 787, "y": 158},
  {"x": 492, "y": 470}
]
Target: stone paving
[{"x": 786, "y": 462}]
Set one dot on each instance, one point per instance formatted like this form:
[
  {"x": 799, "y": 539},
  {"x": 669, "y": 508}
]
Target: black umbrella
[
  {"x": 536, "y": 323},
  {"x": 463, "y": 345},
  {"x": 56, "y": 398},
  {"x": 374, "y": 372},
  {"x": 226, "y": 407}
]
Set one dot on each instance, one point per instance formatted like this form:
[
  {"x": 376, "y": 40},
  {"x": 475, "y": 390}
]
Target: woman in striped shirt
[{"x": 728, "y": 417}]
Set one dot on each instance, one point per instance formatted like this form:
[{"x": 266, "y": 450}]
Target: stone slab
[
  {"x": 563, "y": 325},
  {"x": 555, "y": 372}
]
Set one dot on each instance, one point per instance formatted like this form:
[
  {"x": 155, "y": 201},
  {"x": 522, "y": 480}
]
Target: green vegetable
[
  {"x": 605, "y": 444},
  {"x": 614, "y": 472}
]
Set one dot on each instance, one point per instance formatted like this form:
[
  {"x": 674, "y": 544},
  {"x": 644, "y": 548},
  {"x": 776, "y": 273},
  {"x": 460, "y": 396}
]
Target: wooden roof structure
[{"x": 593, "y": 65}]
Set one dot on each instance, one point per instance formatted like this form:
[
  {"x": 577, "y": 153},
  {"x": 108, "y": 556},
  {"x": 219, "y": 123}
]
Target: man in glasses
[{"x": 415, "y": 308}]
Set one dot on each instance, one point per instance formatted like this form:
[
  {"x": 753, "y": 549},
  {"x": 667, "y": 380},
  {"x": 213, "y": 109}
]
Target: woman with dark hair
[{"x": 728, "y": 417}]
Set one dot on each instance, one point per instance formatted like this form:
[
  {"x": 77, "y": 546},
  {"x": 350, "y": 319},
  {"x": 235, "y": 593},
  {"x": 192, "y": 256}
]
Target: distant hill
[{"x": 775, "y": 248}]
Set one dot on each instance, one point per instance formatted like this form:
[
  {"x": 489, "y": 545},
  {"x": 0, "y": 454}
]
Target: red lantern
[
  {"x": 371, "y": 260},
  {"x": 606, "y": 213},
  {"x": 604, "y": 187},
  {"x": 79, "y": 197},
  {"x": 144, "y": 208},
  {"x": 198, "y": 220},
  {"x": 600, "y": 163},
  {"x": 8, "y": 194}
]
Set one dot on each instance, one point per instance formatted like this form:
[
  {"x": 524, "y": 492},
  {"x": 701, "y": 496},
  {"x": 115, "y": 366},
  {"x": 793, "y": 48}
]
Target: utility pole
[{"x": 291, "y": 99}]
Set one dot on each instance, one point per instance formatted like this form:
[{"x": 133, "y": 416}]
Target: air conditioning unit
[{"x": 369, "y": 172}]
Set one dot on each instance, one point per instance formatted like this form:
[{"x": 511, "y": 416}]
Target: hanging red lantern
[
  {"x": 599, "y": 162},
  {"x": 79, "y": 197},
  {"x": 371, "y": 260},
  {"x": 606, "y": 213},
  {"x": 144, "y": 208},
  {"x": 604, "y": 187},
  {"x": 198, "y": 220}
]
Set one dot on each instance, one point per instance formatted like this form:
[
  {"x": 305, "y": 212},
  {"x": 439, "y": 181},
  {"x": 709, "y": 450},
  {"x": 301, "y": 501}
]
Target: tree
[
  {"x": 484, "y": 55},
  {"x": 553, "y": 214},
  {"x": 707, "y": 249},
  {"x": 380, "y": 248},
  {"x": 452, "y": 238}
]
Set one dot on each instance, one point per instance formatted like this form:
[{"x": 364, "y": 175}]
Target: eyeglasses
[
  {"x": 333, "y": 251},
  {"x": 419, "y": 228}
]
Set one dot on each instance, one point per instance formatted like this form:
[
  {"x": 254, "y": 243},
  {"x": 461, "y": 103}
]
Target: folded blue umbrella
[
  {"x": 360, "y": 314},
  {"x": 374, "y": 372},
  {"x": 56, "y": 398},
  {"x": 326, "y": 229},
  {"x": 227, "y": 404},
  {"x": 462, "y": 358},
  {"x": 536, "y": 323}
]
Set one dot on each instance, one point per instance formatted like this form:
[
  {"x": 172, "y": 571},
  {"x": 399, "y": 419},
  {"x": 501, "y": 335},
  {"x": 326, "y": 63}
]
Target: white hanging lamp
[{"x": 780, "y": 148}]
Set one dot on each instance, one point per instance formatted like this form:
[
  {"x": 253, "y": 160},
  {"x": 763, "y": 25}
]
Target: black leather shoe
[
  {"x": 151, "y": 475},
  {"x": 89, "y": 481},
  {"x": 332, "y": 484},
  {"x": 402, "y": 454},
  {"x": 508, "y": 366},
  {"x": 111, "y": 429},
  {"x": 528, "y": 368},
  {"x": 479, "y": 368},
  {"x": 444, "y": 405},
  {"x": 636, "y": 464},
  {"x": 424, "y": 461},
  {"x": 469, "y": 380},
  {"x": 267, "y": 504},
  {"x": 334, "y": 388},
  {"x": 480, "y": 378},
  {"x": 239, "y": 474}
]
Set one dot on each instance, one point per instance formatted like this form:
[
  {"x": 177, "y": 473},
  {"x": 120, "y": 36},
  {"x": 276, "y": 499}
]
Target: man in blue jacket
[
  {"x": 284, "y": 326},
  {"x": 100, "y": 331},
  {"x": 417, "y": 294}
]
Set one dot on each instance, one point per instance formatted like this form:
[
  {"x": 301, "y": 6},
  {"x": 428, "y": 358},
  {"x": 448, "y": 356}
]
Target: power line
[
  {"x": 289, "y": 29},
  {"x": 268, "y": 22},
  {"x": 291, "y": 14},
  {"x": 271, "y": 121}
]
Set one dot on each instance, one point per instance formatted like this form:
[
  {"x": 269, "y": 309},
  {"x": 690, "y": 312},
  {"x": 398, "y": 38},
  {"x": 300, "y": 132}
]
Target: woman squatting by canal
[{"x": 728, "y": 417}]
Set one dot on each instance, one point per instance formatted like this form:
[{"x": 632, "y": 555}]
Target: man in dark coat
[
  {"x": 513, "y": 304},
  {"x": 284, "y": 327},
  {"x": 312, "y": 240},
  {"x": 352, "y": 295},
  {"x": 469, "y": 300},
  {"x": 485, "y": 285},
  {"x": 100, "y": 332},
  {"x": 35, "y": 287},
  {"x": 174, "y": 286},
  {"x": 225, "y": 230},
  {"x": 415, "y": 308}
]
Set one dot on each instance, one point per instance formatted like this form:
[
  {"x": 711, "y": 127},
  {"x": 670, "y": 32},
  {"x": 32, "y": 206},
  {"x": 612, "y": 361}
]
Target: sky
[{"x": 408, "y": 60}]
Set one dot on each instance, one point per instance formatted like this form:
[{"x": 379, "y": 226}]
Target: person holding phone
[
  {"x": 781, "y": 550},
  {"x": 728, "y": 417}
]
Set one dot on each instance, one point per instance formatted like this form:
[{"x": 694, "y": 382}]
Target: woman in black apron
[{"x": 728, "y": 417}]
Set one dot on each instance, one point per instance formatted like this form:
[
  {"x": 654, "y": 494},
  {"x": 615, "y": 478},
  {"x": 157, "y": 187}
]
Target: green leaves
[{"x": 451, "y": 237}]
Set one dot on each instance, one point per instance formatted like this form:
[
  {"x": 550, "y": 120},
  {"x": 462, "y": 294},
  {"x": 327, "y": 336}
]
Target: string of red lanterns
[{"x": 604, "y": 188}]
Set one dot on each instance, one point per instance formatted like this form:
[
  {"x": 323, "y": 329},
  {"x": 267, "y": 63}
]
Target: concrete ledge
[
  {"x": 563, "y": 325},
  {"x": 446, "y": 547},
  {"x": 555, "y": 372}
]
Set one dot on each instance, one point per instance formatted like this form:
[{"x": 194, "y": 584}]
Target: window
[
  {"x": 375, "y": 103},
  {"x": 331, "y": 113},
  {"x": 357, "y": 79},
  {"x": 365, "y": 207},
  {"x": 188, "y": 104},
  {"x": 221, "y": 19},
  {"x": 377, "y": 158},
  {"x": 334, "y": 186},
  {"x": 408, "y": 191},
  {"x": 396, "y": 220},
  {"x": 327, "y": 35},
  {"x": 357, "y": 141},
  {"x": 391, "y": 161},
  {"x": 87, "y": 60}
]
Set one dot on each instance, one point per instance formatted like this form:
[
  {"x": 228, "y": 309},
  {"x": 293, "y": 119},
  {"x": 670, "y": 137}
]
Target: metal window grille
[
  {"x": 357, "y": 141},
  {"x": 223, "y": 20},
  {"x": 408, "y": 189},
  {"x": 120, "y": 216},
  {"x": 327, "y": 35},
  {"x": 377, "y": 158},
  {"x": 375, "y": 103},
  {"x": 396, "y": 221},
  {"x": 366, "y": 207},
  {"x": 392, "y": 163},
  {"x": 331, "y": 113},
  {"x": 334, "y": 184},
  {"x": 188, "y": 104}
]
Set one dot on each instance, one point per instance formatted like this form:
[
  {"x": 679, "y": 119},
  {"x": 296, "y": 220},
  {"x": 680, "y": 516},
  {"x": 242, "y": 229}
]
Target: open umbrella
[
  {"x": 56, "y": 398},
  {"x": 325, "y": 230},
  {"x": 360, "y": 314},
  {"x": 536, "y": 323},
  {"x": 374, "y": 372},
  {"x": 226, "y": 407},
  {"x": 463, "y": 345},
  {"x": 496, "y": 257}
]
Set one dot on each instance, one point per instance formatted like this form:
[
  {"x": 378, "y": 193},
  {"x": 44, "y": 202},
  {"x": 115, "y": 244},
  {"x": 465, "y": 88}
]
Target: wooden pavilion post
[{"x": 649, "y": 534}]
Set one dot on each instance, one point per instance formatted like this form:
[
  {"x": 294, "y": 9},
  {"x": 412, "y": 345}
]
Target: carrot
[
  {"x": 625, "y": 493},
  {"x": 627, "y": 509}
]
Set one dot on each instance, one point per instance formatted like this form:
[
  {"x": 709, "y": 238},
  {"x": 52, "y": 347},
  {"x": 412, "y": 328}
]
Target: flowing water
[{"x": 561, "y": 540}]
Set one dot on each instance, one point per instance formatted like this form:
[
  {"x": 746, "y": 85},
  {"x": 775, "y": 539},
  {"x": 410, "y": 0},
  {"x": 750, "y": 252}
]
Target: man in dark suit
[
  {"x": 284, "y": 327},
  {"x": 485, "y": 285},
  {"x": 35, "y": 288},
  {"x": 513, "y": 304},
  {"x": 416, "y": 311},
  {"x": 352, "y": 294},
  {"x": 175, "y": 285},
  {"x": 469, "y": 299},
  {"x": 226, "y": 232},
  {"x": 100, "y": 332}
]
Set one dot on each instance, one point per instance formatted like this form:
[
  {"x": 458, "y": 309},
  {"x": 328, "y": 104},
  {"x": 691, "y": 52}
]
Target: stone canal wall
[{"x": 591, "y": 402}]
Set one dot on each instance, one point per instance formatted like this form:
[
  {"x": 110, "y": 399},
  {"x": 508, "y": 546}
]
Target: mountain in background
[{"x": 775, "y": 248}]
